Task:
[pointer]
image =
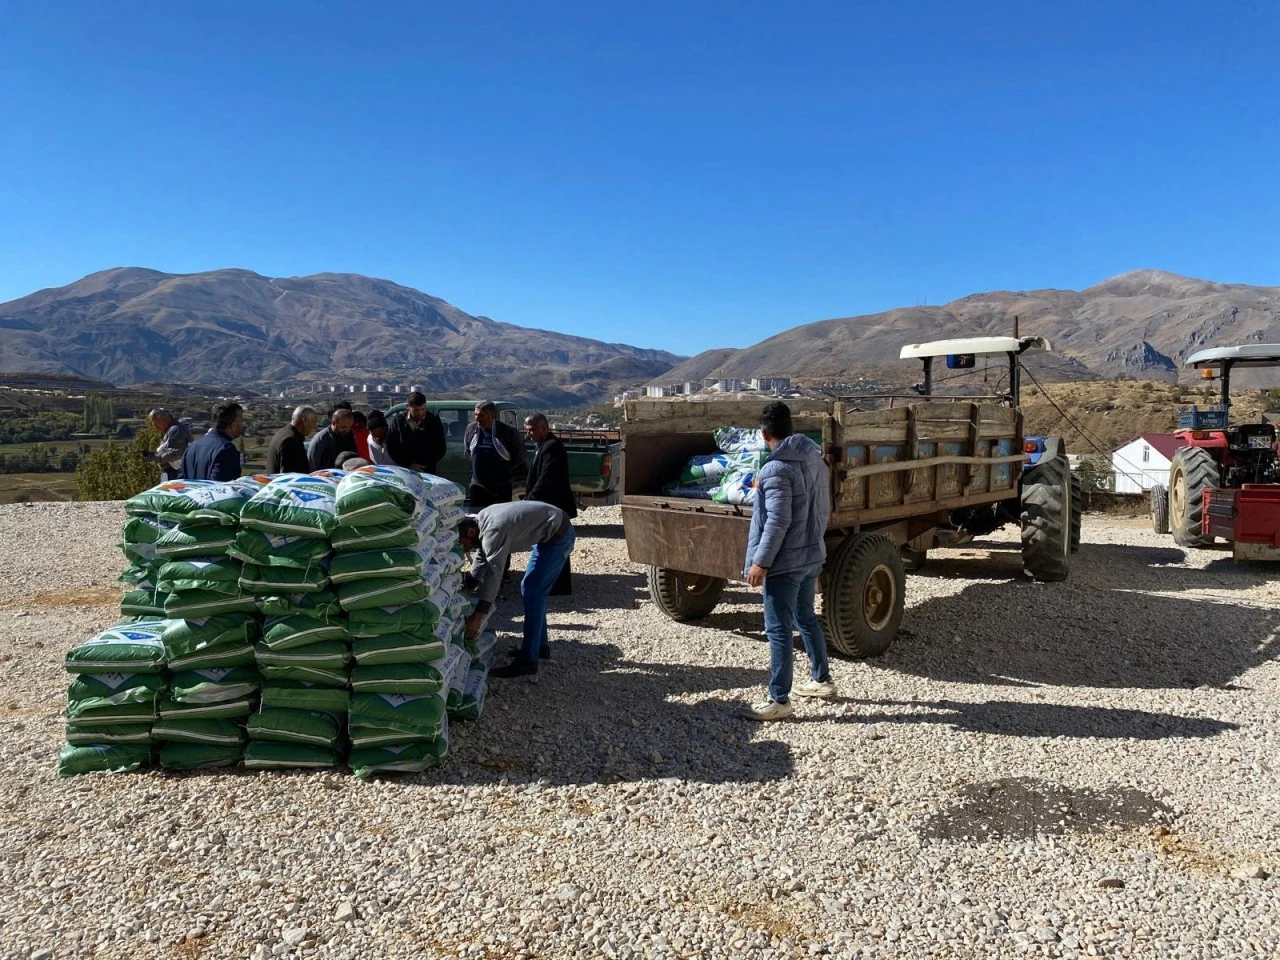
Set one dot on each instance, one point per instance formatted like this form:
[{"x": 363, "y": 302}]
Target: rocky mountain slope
[
  {"x": 237, "y": 328},
  {"x": 1140, "y": 324}
]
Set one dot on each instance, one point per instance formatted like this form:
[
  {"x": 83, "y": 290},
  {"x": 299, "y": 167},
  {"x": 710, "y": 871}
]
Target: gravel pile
[{"x": 1040, "y": 770}]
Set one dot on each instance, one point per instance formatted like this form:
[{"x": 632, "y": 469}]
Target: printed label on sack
[
  {"x": 215, "y": 673},
  {"x": 113, "y": 681},
  {"x": 400, "y": 699}
]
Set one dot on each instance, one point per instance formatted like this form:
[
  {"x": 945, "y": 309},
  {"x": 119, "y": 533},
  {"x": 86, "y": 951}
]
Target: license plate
[{"x": 1260, "y": 443}]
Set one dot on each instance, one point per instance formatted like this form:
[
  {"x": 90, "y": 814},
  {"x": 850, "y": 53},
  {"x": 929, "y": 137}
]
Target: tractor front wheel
[
  {"x": 1046, "y": 520},
  {"x": 1160, "y": 508}
]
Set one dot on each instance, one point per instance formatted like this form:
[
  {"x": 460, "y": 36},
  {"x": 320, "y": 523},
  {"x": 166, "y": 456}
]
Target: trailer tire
[
  {"x": 1077, "y": 512},
  {"x": 1192, "y": 472},
  {"x": 1160, "y": 508},
  {"x": 684, "y": 596},
  {"x": 864, "y": 595},
  {"x": 1046, "y": 520},
  {"x": 912, "y": 559}
]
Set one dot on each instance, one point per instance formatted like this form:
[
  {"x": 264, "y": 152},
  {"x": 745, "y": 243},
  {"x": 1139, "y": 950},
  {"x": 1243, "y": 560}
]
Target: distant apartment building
[{"x": 771, "y": 384}]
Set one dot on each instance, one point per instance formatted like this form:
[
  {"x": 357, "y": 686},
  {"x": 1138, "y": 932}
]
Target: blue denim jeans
[
  {"x": 546, "y": 560},
  {"x": 788, "y": 604}
]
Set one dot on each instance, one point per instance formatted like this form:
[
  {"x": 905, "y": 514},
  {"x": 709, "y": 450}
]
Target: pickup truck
[{"x": 595, "y": 456}]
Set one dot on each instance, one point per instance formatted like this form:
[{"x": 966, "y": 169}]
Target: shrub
[{"x": 119, "y": 471}]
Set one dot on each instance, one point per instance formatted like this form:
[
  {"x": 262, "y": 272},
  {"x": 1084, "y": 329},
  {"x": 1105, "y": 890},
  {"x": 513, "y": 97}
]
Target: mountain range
[
  {"x": 1141, "y": 324},
  {"x": 236, "y": 328}
]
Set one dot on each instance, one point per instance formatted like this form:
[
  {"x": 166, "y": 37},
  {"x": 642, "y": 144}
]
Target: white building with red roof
[{"x": 1144, "y": 461}]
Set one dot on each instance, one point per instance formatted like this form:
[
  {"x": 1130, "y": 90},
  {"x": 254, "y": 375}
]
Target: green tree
[
  {"x": 1095, "y": 473},
  {"x": 119, "y": 471},
  {"x": 99, "y": 415}
]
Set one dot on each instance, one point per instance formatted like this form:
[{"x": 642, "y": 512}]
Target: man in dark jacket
[
  {"x": 496, "y": 451},
  {"x": 214, "y": 456},
  {"x": 415, "y": 436},
  {"x": 549, "y": 482},
  {"x": 287, "y": 452},
  {"x": 334, "y": 439},
  {"x": 785, "y": 553}
]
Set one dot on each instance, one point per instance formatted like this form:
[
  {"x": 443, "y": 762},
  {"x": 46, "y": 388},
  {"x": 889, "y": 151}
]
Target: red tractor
[{"x": 1226, "y": 481}]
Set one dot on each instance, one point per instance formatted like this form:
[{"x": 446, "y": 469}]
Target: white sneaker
[
  {"x": 769, "y": 710},
  {"x": 817, "y": 689}
]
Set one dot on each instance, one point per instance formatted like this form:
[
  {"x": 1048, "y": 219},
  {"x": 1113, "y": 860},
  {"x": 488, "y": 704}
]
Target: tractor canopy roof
[
  {"x": 974, "y": 346},
  {"x": 1246, "y": 355}
]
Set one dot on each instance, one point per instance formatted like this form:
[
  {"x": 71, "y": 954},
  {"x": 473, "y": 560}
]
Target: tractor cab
[
  {"x": 963, "y": 353},
  {"x": 1046, "y": 481},
  {"x": 1245, "y": 453}
]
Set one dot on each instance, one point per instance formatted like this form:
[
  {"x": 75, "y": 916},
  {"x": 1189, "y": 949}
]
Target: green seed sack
[
  {"x": 194, "y": 502},
  {"x": 320, "y": 605},
  {"x": 130, "y": 648},
  {"x": 215, "y": 684},
  {"x": 115, "y": 757},
  {"x": 293, "y": 505},
  {"x": 269, "y": 581},
  {"x": 178, "y": 756},
  {"x": 285, "y": 633},
  {"x": 285, "y": 725},
  {"x": 187, "y": 730},
  {"x": 268, "y": 755},
  {"x": 400, "y": 758},
  {"x": 198, "y": 604},
  {"x": 305, "y": 695},
  {"x": 185, "y": 542},
  {"x": 380, "y": 494},
  {"x": 219, "y": 575},
  {"x": 274, "y": 550},
  {"x": 184, "y": 637}
]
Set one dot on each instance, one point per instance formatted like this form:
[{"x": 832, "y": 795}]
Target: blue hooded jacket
[{"x": 792, "y": 507}]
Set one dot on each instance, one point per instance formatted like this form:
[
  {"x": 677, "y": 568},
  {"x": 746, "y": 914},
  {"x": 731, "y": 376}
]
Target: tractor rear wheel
[
  {"x": 1160, "y": 508},
  {"x": 684, "y": 596},
  {"x": 1046, "y": 520},
  {"x": 864, "y": 594},
  {"x": 1077, "y": 512},
  {"x": 1192, "y": 472}
]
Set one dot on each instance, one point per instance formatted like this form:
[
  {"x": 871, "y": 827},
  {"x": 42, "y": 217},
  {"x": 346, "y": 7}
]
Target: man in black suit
[{"x": 549, "y": 482}]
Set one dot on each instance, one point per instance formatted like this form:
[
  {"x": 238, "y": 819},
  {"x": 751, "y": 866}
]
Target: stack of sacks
[
  {"x": 304, "y": 653},
  {"x": 396, "y": 581},
  {"x": 208, "y": 638},
  {"x": 728, "y": 476},
  {"x": 140, "y": 534},
  {"x": 112, "y": 699}
]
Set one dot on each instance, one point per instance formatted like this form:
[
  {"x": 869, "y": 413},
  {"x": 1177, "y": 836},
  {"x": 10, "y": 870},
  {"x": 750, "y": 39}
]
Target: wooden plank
[{"x": 710, "y": 544}]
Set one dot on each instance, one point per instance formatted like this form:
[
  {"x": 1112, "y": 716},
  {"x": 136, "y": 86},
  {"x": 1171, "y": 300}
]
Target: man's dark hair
[
  {"x": 467, "y": 527},
  {"x": 487, "y": 406},
  {"x": 225, "y": 415},
  {"x": 537, "y": 420},
  {"x": 776, "y": 418},
  {"x": 377, "y": 419},
  {"x": 360, "y": 419},
  {"x": 417, "y": 398},
  {"x": 341, "y": 405},
  {"x": 344, "y": 456}
]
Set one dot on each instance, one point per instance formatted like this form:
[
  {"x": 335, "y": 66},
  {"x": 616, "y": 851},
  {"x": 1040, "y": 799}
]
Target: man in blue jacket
[
  {"x": 785, "y": 553},
  {"x": 214, "y": 456}
]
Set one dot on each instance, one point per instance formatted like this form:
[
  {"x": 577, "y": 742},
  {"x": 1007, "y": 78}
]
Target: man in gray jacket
[
  {"x": 491, "y": 536},
  {"x": 785, "y": 553},
  {"x": 175, "y": 437}
]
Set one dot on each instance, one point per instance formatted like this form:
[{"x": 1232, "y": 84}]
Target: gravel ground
[{"x": 1060, "y": 770}]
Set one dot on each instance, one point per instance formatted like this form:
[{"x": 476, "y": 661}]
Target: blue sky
[{"x": 677, "y": 175}]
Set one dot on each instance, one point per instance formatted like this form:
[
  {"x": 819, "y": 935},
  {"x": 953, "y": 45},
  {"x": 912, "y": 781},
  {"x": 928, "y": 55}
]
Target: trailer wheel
[
  {"x": 1160, "y": 508},
  {"x": 684, "y": 596},
  {"x": 912, "y": 559},
  {"x": 1077, "y": 512},
  {"x": 1192, "y": 472},
  {"x": 864, "y": 595},
  {"x": 1046, "y": 520}
]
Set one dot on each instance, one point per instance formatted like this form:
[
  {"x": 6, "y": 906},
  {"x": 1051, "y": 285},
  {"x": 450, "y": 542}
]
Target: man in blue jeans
[
  {"x": 491, "y": 536},
  {"x": 785, "y": 553}
]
